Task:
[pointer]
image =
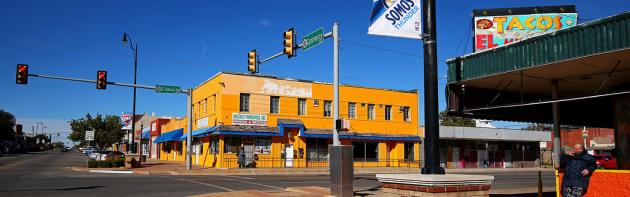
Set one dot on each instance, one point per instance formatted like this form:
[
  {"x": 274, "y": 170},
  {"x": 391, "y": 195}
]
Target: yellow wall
[
  {"x": 218, "y": 98},
  {"x": 261, "y": 88}
]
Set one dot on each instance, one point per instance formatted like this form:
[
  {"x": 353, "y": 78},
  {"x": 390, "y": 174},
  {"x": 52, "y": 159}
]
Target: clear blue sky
[{"x": 186, "y": 42}]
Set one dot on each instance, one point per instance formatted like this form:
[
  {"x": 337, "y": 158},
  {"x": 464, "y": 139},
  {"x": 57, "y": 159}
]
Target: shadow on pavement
[
  {"x": 545, "y": 194},
  {"x": 58, "y": 189}
]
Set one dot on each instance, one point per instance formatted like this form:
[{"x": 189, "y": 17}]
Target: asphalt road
[{"x": 48, "y": 174}]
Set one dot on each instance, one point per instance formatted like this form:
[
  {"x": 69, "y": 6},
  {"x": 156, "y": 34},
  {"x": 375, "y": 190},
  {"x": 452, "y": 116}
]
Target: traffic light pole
[{"x": 189, "y": 133}]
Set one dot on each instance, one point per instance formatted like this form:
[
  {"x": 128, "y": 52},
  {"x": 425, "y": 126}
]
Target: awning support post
[{"x": 556, "y": 123}]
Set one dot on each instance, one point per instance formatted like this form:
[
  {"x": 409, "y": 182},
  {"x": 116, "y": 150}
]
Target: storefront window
[
  {"x": 317, "y": 149},
  {"x": 262, "y": 145},
  {"x": 214, "y": 145},
  {"x": 409, "y": 153},
  {"x": 232, "y": 144},
  {"x": 365, "y": 151}
]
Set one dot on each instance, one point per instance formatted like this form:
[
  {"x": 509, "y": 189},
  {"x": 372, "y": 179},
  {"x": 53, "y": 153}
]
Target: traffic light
[
  {"x": 289, "y": 43},
  {"x": 21, "y": 76},
  {"x": 252, "y": 61},
  {"x": 101, "y": 80}
]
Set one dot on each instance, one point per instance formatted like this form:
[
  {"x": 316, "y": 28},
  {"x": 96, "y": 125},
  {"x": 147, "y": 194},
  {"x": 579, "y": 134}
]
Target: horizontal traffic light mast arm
[
  {"x": 299, "y": 46},
  {"x": 94, "y": 81}
]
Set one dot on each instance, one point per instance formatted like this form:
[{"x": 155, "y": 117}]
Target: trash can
[{"x": 132, "y": 161}]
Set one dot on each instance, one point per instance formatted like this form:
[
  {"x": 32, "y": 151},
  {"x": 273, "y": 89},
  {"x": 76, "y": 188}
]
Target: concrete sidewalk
[{"x": 154, "y": 166}]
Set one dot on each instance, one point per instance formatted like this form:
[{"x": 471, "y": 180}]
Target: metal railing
[{"x": 318, "y": 163}]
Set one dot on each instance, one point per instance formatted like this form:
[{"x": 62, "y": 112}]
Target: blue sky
[{"x": 186, "y": 42}]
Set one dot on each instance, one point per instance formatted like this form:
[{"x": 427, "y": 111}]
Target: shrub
[{"x": 119, "y": 162}]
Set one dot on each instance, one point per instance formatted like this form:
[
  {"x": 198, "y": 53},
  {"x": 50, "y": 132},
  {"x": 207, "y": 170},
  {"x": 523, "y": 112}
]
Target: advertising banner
[
  {"x": 496, "y": 30},
  {"x": 125, "y": 119},
  {"x": 397, "y": 18},
  {"x": 249, "y": 119}
]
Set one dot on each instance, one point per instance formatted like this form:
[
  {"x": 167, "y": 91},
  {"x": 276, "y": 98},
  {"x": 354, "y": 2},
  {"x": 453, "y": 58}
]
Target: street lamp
[{"x": 134, "y": 47}]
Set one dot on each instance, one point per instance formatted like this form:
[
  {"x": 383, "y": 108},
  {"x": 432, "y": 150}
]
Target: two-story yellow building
[{"x": 280, "y": 122}]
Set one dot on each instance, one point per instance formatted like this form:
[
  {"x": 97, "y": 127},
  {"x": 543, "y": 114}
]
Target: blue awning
[
  {"x": 173, "y": 135},
  {"x": 200, "y": 132}
]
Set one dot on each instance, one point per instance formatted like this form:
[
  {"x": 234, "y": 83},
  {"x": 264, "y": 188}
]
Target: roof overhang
[{"x": 590, "y": 62}]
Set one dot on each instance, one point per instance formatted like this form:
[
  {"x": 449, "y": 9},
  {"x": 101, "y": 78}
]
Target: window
[
  {"x": 274, "y": 104},
  {"x": 352, "y": 110},
  {"x": 214, "y": 146},
  {"x": 262, "y": 145},
  {"x": 244, "y": 103},
  {"x": 388, "y": 112},
  {"x": 205, "y": 106},
  {"x": 232, "y": 144},
  {"x": 178, "y": 147},
  {"x": 365, "y": 151},
  {"x": 315, "y": 103},
  {"x": 370, "y": 112},
  {"x": 316, "y": 149},
  {"x": 327, "y": 108},
  {"x": 301, "y": 107},
  {"x": 406, "y": 115},
  {"x": 409, "y": 154}
]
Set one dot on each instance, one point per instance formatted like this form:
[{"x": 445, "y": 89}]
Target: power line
[{"x": 381, "y": 48}]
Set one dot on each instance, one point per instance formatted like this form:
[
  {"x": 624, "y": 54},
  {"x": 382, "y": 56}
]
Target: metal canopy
[{"x": 591, "y": 63}]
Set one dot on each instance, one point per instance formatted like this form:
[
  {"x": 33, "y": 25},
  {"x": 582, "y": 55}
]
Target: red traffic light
[
  {"x": 21, "y": 76},
  {"x": 101, "y": 80}
]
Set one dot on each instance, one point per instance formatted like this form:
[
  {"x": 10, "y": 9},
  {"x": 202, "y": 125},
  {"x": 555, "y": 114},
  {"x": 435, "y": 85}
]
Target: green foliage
[
  {"x": 113, "y": 163},
  {"x": 107, "y": 130},
  {"x": 7, "y": 121},
  {"x": 446, "y": 120}
]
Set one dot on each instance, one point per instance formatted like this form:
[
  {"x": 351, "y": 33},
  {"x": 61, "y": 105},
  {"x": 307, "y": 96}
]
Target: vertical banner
[
  {"x": 397, "y": 18},
  {"x": 125, "y": 120}
]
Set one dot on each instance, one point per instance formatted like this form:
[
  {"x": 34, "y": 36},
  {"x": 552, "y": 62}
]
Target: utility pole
[
  {"x": 189, "y": 133},
  {"x": 432, "y": 133},
  {"x": 335, "y": 34}
]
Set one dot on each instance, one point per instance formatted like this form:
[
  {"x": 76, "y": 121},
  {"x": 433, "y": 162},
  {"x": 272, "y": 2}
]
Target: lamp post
[{"x": 134, "y": 47}]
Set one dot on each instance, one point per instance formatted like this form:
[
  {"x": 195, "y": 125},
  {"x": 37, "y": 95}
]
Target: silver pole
[
  {"x": 189, "y": 133},
  {"x": 335, "y": 32}
]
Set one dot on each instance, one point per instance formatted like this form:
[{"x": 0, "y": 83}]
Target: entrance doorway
[{"x": 288, "y": 150}]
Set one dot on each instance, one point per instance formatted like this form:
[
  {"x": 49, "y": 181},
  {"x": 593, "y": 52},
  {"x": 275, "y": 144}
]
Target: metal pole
[
  {"x": 556, "y": 123},
  {"x": 335, "y": 32},
  {"x": 432, "y": 135},
  {"x": 135, "y": 76},
  {"x": 189, "y": 133}
]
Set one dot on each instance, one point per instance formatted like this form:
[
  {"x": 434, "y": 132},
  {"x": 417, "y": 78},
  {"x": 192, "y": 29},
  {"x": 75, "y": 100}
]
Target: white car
[{"x": 88, "y": 150}]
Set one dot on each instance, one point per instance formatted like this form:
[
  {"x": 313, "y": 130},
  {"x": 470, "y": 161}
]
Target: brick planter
[{"x": 434, "y": 185}]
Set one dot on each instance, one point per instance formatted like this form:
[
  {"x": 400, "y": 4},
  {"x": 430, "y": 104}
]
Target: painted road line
[
  {"x": 240, "y": 177},
  {"x": 201, "y": 183},
  {"x": 113, "y": 171},
  {"x": 260, "y": 184},
  {"x": 304, "y": 182}
]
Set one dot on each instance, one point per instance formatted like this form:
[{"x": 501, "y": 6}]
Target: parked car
[
  {"x": 109, "y": 155},
  {"x": 96, "y": 155},
  {"x": 88, "y": 150},
  {"x": 605, "y": 161}
]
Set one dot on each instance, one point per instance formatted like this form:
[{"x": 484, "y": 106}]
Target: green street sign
[
  {"x": 313, "y": 39},
  {"x": 167, "y": 89}
]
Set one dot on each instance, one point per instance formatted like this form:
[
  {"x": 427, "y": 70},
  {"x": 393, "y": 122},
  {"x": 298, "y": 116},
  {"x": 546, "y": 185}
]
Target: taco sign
[{"x": 497, "y": 27}]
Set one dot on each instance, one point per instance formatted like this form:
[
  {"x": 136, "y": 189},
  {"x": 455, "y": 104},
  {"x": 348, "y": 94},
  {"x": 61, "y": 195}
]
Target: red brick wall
[{"x": 570, "y": 137}]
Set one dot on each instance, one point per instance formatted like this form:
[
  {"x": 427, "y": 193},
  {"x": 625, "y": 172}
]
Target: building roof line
[{"x": 413, "y": 91}]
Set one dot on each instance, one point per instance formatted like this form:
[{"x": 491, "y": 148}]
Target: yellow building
[{"x": 280, "y": 122}]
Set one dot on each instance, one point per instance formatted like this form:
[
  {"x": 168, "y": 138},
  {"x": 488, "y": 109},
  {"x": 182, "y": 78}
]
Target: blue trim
[
  {"x": 200, "y": 132},
  {"x": 247, "y": 133}
]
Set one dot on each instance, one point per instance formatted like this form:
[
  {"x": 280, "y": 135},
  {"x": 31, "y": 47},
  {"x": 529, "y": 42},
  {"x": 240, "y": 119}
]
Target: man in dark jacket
[{"x": 578, "y": 166}]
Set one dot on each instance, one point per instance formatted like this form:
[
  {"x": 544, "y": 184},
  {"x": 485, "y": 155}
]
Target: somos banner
[
  {"x": 397, "y": 18},
  {"x": 497, "y": 27}
]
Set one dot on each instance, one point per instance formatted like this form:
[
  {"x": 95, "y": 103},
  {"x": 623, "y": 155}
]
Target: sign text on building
[{"x": 249, "y": 119}]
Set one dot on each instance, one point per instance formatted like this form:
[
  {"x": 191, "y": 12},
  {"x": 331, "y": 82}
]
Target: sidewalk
[{"x": 154, "y": 166}]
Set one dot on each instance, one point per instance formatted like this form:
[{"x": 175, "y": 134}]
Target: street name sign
[
  {"x": 167, "y": 89},
  {"x": 313, "y": 39},
  {"x": 89, "y": 135}
]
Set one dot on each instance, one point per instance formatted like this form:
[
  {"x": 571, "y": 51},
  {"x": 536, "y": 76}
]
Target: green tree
[
  {"x": 7, "y": 121},
  {"x": 107, "y": 130},
  {"x": 446, "y": 120}
]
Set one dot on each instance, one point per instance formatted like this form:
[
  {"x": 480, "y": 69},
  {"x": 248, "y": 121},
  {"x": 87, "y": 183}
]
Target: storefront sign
[
  {"x": 495, "y": 31},
  {"x": 249, "y": 119},
  {"x": 201, "y": 123}
]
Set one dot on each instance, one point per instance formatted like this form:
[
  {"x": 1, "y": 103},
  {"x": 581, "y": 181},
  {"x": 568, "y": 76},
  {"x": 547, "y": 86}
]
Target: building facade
[{"x": 280, "y": 122}]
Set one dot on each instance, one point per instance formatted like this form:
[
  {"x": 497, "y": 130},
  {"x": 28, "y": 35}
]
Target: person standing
[
  {"x": 241, "y": 157},
  {"x": 578, "y": 166}
]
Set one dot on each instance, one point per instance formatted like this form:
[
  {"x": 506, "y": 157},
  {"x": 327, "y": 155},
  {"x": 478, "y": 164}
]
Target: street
[{"x": 49, "y": 174}]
